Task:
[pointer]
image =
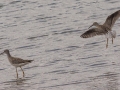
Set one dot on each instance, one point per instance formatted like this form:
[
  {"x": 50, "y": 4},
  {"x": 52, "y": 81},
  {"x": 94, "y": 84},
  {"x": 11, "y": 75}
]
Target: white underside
[{"x": 111, "y": 34}]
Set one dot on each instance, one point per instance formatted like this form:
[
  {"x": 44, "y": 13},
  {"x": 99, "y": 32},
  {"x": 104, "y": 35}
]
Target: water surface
[{"x": 49, "y": 32}]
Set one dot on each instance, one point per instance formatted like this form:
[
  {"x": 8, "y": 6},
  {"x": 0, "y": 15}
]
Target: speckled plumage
[
  {"x": 102, "y": 29},
  {"x": 17, "y": 62}
]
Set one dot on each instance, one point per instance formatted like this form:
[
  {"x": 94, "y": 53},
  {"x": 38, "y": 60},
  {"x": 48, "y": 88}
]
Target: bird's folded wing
[
  {"x": 17, "y": 60},
  {"x": 93, "y": 32}
]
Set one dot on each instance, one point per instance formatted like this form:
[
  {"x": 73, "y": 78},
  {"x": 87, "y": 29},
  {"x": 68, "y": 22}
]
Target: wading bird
[
  {"x": 105, "y": 29},
  {"x": 17, "y": 62}
]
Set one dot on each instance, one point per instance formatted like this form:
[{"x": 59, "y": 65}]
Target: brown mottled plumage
[
  {"x": 103, "y": 29},
  {"x": 17, "y": 62}
]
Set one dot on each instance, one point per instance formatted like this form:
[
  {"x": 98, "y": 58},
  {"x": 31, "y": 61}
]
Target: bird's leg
[
  {"x": 16, "y": 72},
  {"x": 112, "y": 40},
  {"x": 23, "y": 72},
  {"x": 107, "y": 43}
]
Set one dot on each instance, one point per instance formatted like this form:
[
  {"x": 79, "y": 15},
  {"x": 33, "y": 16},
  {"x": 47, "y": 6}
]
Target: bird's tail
[
  {"x": 29, "y": 61},
  {"x": 111, "y": 34},
  {"x": 114, "y": 34}
]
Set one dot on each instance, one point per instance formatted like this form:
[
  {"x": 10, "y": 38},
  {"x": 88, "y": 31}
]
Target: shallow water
[{"x": 49, "y": 32}]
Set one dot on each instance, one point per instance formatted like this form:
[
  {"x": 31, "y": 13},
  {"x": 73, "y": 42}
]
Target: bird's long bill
[
  {"x": 90, "y": 26},
  {"x": 1, "y": 53}
]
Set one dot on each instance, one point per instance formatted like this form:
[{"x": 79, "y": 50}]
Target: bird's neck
[{"x": 8, "y": 55}]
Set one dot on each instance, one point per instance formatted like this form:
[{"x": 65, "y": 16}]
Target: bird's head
[
  {"x": 5, "y": 51},
  {"x": 94, "y": 24}
]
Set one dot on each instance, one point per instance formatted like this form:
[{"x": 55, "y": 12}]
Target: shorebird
[
  {"x": 17, "y": 62},
  {"x": 105, "y": 29}
]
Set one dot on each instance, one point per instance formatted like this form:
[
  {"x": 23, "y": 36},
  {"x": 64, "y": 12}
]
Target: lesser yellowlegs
[
  {"x": 17, "y": 62},
  {"x": 106, "y": 28}
]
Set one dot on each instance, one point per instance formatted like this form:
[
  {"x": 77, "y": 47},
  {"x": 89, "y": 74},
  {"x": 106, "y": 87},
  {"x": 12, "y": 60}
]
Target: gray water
[{"x": 48, "y": 31}]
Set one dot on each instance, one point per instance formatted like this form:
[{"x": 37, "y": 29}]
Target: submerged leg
[
  {"x": 23, "y": 72},
  {"x": 107, "y": 43},
  {"x": 16, "y": 72}
]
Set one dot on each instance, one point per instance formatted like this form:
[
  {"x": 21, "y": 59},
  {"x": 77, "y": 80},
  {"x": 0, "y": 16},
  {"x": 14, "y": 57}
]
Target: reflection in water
[
  {"x": 16, "y": 83},
  {"x": 107, "y": 81},
  {"x": 19, "y": 81}
]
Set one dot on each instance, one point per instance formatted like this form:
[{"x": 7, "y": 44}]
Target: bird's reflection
[
  {"x": 17, "y": 82},
  {"x": 20, "y": 81}
]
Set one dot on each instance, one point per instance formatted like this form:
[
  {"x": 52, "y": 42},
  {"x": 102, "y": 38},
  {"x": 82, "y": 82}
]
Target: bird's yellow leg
[
  {"x": 23, "y": 72},
  {"x": 107, "y": 43},
  {"x": 16, "y": 72}
]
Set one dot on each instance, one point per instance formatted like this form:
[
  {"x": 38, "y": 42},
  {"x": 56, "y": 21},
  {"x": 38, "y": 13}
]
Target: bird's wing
[
  {"x": 93, "y": 32},
  {"x": 110, "y": 21},
  {"x": 19, "y": 60}
]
